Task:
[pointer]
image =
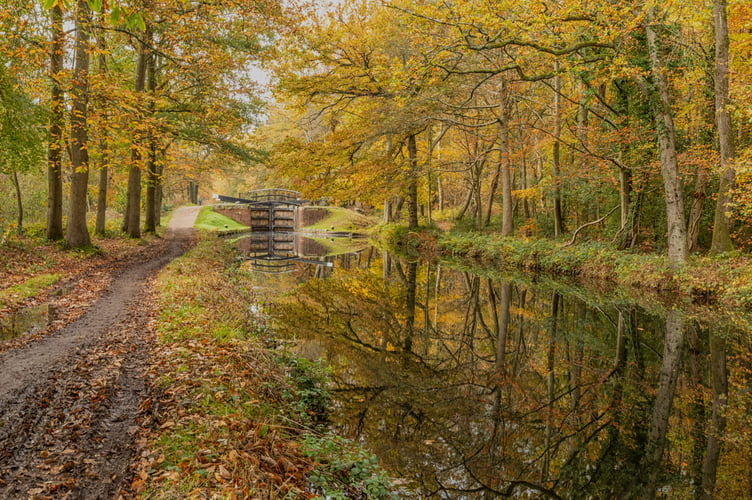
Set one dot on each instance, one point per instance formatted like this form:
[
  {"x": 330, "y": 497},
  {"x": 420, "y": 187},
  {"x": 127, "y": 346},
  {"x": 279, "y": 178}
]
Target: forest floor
[{"x": 74, "y": 395}]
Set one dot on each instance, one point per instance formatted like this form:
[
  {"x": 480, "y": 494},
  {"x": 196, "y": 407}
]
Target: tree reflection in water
[{"x": 478, "y": 387}]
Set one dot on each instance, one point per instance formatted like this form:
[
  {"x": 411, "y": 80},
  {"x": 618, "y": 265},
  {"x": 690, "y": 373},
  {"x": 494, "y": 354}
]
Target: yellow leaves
[
  {"x": 51, "y": 4},
  {"x": 532, "y": 193}
]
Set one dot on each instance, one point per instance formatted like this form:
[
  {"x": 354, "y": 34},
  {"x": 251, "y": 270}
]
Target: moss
[{"x": 27, "y": 289}]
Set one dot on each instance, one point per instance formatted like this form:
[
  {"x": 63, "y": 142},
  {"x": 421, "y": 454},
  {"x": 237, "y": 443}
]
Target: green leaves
[
  {"x": 131, "y": 18},
  {"x": 115, "y": 15},
  {"x": 95, "y": 5},
  {"x": 21, "y": 127},
  {"x": 49, "y": 4},
  {"x": 118, "y": 15}
]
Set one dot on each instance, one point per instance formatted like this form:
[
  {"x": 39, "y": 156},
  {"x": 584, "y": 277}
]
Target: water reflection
[
  {"x": 26, "y": 321},
  {"x": 281, "y": 252},
  {"x": 477, "y": 387}
]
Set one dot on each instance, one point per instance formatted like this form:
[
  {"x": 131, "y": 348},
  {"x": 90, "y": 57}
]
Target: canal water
[{"x": 485, "y": 385}]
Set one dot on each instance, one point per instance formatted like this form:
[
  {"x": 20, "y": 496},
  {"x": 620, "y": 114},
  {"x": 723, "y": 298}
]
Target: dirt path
[{"x": 70, "y": 402}]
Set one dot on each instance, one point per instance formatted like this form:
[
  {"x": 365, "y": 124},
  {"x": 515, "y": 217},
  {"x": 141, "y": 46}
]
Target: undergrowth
[{"x": 725, "y": 279}]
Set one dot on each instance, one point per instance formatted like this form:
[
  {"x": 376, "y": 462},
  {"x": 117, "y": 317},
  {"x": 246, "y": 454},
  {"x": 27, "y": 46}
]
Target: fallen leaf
[
  {"x": 224, "y": 472},
  {"x": 137, "y": 485}
]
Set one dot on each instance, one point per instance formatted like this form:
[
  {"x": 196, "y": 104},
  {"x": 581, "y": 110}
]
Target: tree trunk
[
  {"x": 412, "y": 186},
  {"x": 439, "y": 183},
  {"x": 77, "y": 234},
  {"x": 477, "y": 177},
  {"x": 625, "y": 173},
  {"x": 492, "y": 193},
  {"x": 582, "y": 138},
  {"x": 151, "y": 216},
  {"x": 664, "y": 124},
  {"x": 466, "y": 204},
  {"x": 507, "y": 204},
  {"x": 429, "y": 179},
  {"x": 672, "y": 347},
  {"x": 556, "y": 168},
  {"x": 721, "y": 223},
  {"x": 150, "y": 222},
  {"x": 503, "y": 169},
  {"x": 100, "y": 226},
  {"x": 19, "y": 202},
  {"x": 55, "y": 148},
  {"x": 625, "y": 191},
  {"x": 132, "y": 219},
  {"x": 160, "y": 190},
  {"x": 411, "y": 283},
  {"x": 632, "y": 233},
  {"x": 525, "y": 202},
  {"x": 387, "y": 211},
  {"x": 193, "y": 192},
  {"x": 719, "y": 382},
  {"x": 695, "y": 211}
]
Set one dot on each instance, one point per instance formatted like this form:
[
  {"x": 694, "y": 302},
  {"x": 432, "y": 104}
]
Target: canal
[{"x": 470, "y": 384}]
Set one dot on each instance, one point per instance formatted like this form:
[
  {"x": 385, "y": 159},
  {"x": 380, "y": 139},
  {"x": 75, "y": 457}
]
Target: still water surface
[{"x": 486, "y": 386}]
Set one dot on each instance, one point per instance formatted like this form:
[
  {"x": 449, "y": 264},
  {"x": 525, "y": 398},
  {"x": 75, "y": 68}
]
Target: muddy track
[{"x": 71, "y": 402}]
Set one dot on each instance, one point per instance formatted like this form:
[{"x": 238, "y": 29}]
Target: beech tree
[
  {"x": 658, "y": 90},
  {"x": 132, "y": 215},
  {"x": 191, "y": 86},
  {"x": 57, "y": 119},
  {"x": 721, "y": 229},
  {"x": 368, "y": 85},
  {"x": 77, "y": 232}
]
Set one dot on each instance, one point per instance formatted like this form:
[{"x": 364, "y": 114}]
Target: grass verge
[
  {"x": 237, "y": 419},
  {"x": 341, "y": 220},
  {"x": 209, "y": 220}
]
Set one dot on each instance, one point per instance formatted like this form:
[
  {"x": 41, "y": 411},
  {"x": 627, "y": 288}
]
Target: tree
[
  {"x": 77, "y": 233},
  {"x": 721, "y": 229},
  {"x": 132, "y": 216},
  {"x": 103, "y": 125},
  {"x": 57, "y": 119},
  {"x": 666, "y": 133},
  {"x": 192, "y": 86},
  {"x": 151, "y": 216}
]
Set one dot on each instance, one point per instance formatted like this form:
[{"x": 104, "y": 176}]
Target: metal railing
[{"x": 271, "y": 194}]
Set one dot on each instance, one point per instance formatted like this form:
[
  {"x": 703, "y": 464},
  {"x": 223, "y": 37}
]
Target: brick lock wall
[
  {"x": 305, "y": 216},
  {"x": 241, "y": 215},
  {"x": 306, "y": 247}
]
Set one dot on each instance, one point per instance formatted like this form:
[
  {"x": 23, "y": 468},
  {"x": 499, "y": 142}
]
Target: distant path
[
  {"x": 182, "y": 220},
  {"x": 70, "y": 402}
]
